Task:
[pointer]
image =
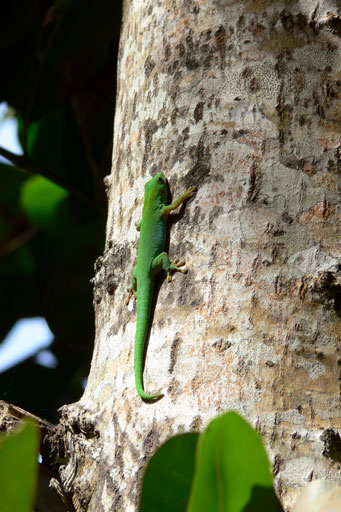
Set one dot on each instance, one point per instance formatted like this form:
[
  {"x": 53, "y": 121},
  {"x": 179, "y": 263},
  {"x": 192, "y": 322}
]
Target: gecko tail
[
  {"x": 143, "y": 394},
  {"x": 143, "y": 314},
  {"x": 138, "y": 375}
]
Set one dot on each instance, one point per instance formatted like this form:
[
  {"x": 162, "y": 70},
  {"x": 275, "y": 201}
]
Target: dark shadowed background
[{"x": 58, "y": 65}]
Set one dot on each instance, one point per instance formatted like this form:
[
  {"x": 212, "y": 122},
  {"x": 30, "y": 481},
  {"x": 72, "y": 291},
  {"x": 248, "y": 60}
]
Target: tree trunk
[{"x": 240, "y": 99}]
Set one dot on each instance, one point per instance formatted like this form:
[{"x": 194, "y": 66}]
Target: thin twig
[{"x": 18, "y": 241}]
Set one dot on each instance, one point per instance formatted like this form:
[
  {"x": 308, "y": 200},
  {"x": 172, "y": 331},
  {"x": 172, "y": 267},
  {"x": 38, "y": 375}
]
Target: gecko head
[
  {"x": 160, "y": 177},
  {"x": 158, "y": 186}
]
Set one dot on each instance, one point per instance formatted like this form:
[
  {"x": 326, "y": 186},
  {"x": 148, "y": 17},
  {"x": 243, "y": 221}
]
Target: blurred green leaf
[
  {"x": 40, "y": 199},
  {"x": 168, "y": 477},
  {"x": 232, "y": 471},
  {"x": 19, "y": 468}
]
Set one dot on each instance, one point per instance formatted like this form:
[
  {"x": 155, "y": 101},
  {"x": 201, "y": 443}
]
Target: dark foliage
[{"x": 58, "y": 62}]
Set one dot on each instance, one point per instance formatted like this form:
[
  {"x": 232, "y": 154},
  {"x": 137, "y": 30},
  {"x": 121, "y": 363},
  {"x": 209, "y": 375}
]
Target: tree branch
[
  {"x": 11, "y": 416},
  {"x": 18, "y": 241},
  {"x": 52, "y": 447}
]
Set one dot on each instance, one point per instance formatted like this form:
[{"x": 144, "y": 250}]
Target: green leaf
[
  {"x": 18, "y": 468},
  {"x": 40, "y": 199},
  {"x": 232, "y": 471},
  {"x": 168, "y": 477}
]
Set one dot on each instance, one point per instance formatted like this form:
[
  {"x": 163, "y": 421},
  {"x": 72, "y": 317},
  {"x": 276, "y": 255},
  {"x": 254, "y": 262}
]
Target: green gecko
[{"x": 151, "y": 258}]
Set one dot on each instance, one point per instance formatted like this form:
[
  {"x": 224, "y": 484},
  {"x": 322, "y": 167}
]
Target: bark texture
[{"x": 242, "y": 99}]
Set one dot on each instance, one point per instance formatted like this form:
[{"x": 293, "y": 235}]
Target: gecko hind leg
[{"x": 162, "y": 261}]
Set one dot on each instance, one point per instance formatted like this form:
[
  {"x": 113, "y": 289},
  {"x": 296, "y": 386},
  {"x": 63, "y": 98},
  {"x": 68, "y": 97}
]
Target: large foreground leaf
[
  {"x": 232, "y": 471},
  {"x": 167, "y": 480},
  {"x": 225, "y": 469},
  {"x": 18, "y": 469}
]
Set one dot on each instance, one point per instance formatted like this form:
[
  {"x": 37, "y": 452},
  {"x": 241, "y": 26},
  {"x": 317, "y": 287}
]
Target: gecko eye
[{"x": 160, "y": 180}]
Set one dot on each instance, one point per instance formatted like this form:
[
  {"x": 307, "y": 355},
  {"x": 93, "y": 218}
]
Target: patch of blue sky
[
  {"x": 46, "y": 358},
  {"x": 26, "y": 338},
  {"x": 8, "y": 132}
]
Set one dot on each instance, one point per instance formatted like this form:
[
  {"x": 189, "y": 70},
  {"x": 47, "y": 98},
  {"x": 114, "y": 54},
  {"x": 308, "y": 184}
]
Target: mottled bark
[{"x": 242, "y": 100}]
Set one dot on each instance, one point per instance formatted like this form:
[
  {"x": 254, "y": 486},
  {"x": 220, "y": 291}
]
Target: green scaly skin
[{"x": 151, "y": 258}]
